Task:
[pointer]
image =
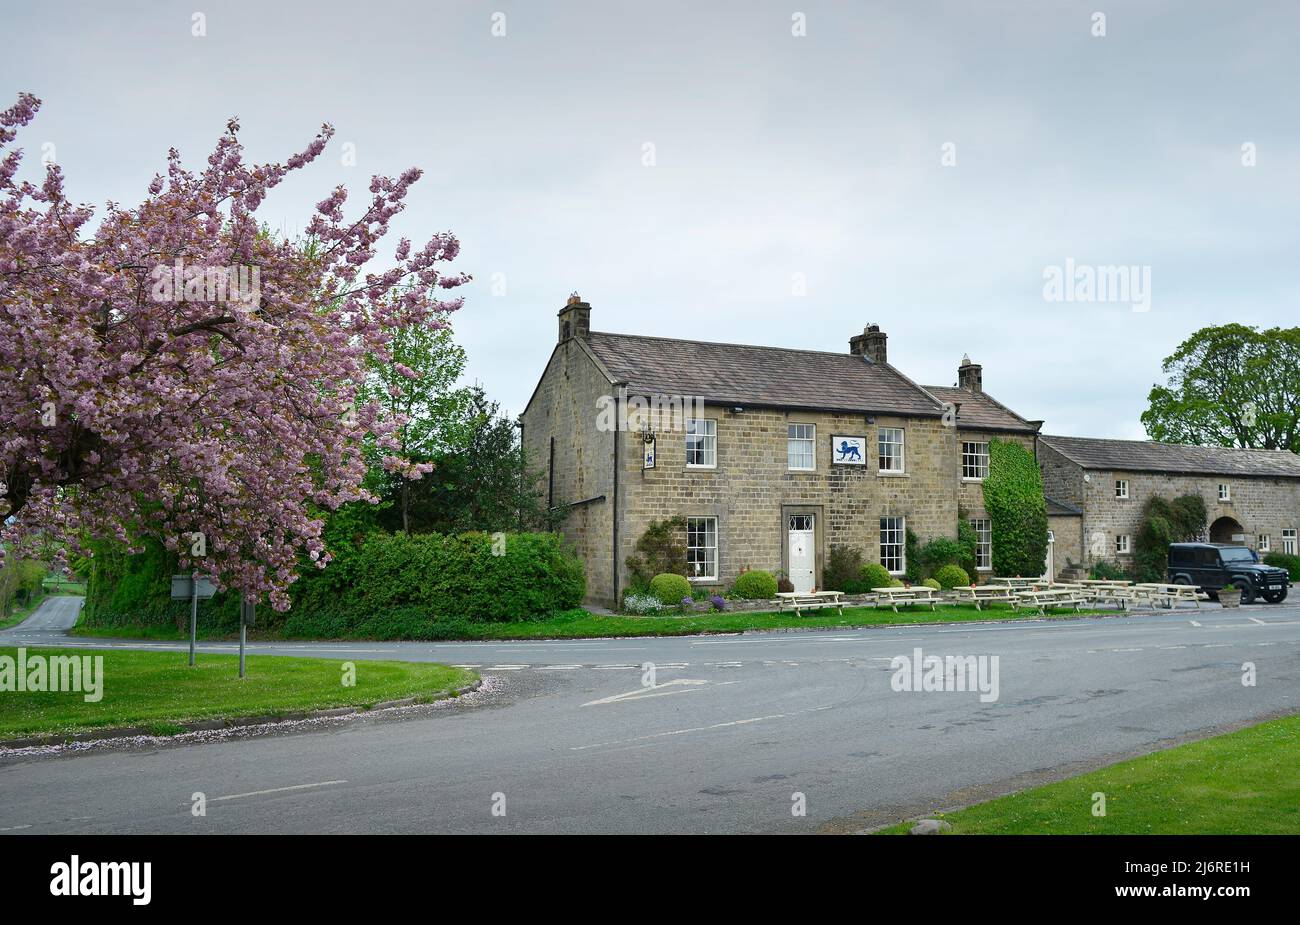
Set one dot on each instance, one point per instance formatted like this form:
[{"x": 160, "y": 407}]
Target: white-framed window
[
  {"x": 890, "y": 449},
  {"x": 701, "y": 443},
  {"x": 974, "y": 459},
  {"x": 1121, "y": 544},
  {"x": 1288, "y": 541},
  {"x": 1263, "y": 543},
  {"x": 893, "y": 544},
  {"x": 702, "y": 548},
  {"x": 1121, "y": 488},
  {"x": 1225, "y": 493},
  {"x": 800, "y": 440},
  {"x": 984, "y": 548}
]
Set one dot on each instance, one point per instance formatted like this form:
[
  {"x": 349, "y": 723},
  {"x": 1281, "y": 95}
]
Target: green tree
[
  {"x": 1230, "y": 385},
  {"x": 484, "y": 483},
  {"x": 416, "y": 384}
]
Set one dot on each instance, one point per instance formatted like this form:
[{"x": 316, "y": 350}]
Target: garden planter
[{"x": 1230, "y": 597}]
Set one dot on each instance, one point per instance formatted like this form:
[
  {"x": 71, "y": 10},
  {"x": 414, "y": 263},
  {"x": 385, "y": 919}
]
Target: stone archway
[{"x": 1224, "y": 529}]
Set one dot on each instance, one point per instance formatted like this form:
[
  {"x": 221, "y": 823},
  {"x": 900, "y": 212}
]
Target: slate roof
[
  {"x": 769, "y": 377},
  {"x": 1061, "y": 509},
  {"x": 1148, "y": 456},
  {"x": 980, "y": 411}
]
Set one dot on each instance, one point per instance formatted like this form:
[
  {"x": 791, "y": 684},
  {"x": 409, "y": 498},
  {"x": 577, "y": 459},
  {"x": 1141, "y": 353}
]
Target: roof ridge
[
  {"x": 1185, "y": 446},
  {"x": 722, "y": 343}
]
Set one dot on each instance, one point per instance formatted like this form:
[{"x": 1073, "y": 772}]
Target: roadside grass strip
[
  {"x": 582, "y": 624},
  {"x": 159, "y": 691},
  {"x": 1242, "y": 783}
]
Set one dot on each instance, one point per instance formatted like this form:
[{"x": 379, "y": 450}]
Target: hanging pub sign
[
  {"x": 849, "y": 451},
  {"x": 648, "y": 461}
]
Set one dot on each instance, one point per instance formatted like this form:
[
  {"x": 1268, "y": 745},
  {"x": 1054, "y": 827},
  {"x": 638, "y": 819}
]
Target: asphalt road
[{"x": 569, "y": 739}]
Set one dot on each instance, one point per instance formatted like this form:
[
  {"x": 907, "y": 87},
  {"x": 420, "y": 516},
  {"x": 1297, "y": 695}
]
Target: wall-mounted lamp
[
  {"x": 871, "y": 419},
  {"x": 737, "y": 409}
]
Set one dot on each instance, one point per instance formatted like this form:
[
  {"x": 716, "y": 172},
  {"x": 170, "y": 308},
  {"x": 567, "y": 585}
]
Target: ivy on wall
[
  {"x": 1013, "y": 497},
  {"x": 1165, "y": 522}
]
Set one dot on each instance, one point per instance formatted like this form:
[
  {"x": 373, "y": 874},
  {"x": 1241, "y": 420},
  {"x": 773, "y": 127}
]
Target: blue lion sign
[{"x": 849, "y": 451}]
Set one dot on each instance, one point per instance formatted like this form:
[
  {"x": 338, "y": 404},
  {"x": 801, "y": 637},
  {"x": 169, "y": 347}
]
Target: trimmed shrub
[
  {"x": 875, "y": 575},
  {"x": 756, "y": 585},
  {"x": 1285, "y": 560},
  {"x": 931, "y": 583},
  {"x": 670, "y": 588},
  {"x": 952, "y": 576}
]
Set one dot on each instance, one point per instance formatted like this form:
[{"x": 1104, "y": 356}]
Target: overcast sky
[{"x": 780, "y": 162}]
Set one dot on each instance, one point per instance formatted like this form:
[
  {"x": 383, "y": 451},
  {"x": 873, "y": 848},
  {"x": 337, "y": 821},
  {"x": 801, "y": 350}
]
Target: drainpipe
[{"x": 618, "y": 417}]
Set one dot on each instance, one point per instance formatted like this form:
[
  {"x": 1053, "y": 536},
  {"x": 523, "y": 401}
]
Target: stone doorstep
[{"x": 208, "y": 725}]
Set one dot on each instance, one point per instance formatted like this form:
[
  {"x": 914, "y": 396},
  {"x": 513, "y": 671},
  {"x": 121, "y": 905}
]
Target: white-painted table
[
  {"x": 918, "y": 594},
  {"x": 799, "y": 601}
]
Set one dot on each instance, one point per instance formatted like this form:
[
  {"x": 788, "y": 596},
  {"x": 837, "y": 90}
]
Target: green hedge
[
  {"x": 952, "y": 576},
  {"x": 390, "y": 586},
  {"x": 1284, "y": 560},
  {"x": 1013, "y": 496}
]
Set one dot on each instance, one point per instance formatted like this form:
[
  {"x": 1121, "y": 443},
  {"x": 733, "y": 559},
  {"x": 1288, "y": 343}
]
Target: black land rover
[{"x": 1217, "y": 565}]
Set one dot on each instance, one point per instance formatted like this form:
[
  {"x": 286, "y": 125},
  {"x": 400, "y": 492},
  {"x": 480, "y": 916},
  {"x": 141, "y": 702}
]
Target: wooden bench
[
  {"x": 979, "y": 595},
  {"x": 915, "y": 595},
  {"x": 799, "y": 601}
]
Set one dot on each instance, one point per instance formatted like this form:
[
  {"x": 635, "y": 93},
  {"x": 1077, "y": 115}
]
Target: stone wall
[
  {"x": 752, "y": 492},
  {"x": 565, "y": 407},
  {"x": 1260, "y": 505}
]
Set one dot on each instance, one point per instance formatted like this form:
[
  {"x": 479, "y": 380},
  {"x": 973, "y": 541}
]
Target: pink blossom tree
[{"x": 178, "y": 372}]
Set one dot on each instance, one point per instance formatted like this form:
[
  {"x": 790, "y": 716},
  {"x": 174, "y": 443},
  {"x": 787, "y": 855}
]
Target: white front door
[
  {"x": 1051, "y": 566},
  {"x": 802, "y": 546}
]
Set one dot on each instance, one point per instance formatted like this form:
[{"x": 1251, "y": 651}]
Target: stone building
[
  {"x": 1096, "y": 490},
  {"x": 771, "y": 455}
]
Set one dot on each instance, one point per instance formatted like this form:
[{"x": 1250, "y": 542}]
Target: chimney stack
[
  {"x": 970, "y": 376},
  {"x": 575, "y": 319},
  {"x": 870, "y": 344}
]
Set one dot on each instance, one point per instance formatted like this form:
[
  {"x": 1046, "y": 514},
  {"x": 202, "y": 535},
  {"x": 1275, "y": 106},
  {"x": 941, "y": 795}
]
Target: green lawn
[
  {"x": 584, "y": 624},
  {"x": 1243, "y": 783},
  {"x": 158, "y": 690}
]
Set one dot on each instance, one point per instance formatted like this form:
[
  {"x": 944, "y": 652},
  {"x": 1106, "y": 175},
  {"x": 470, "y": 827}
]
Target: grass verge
[
  {"x": 584, "y": 624},
  {"x": 1242, "y": 783},
  {"x": 159, "y": 690}
]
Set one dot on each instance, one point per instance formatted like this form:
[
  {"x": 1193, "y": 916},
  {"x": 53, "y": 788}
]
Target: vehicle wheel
[
  {"x": 1275, "y": 597},
  {"x": 1247, "y": 592},
  {"x": 1182, "y": 580}
]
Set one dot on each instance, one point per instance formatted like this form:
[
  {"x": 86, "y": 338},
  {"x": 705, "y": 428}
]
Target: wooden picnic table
[
  {"x": 1017, "y": 582},
  {"x": 799, "y": 601},
  {"x": 918, "y": 594},
  {"x": 982, "y": 594},
  {"x": 1106, "y": 582},
  {"x": 1054, "y": 597},
  {"x": 1171, "y": 594}
]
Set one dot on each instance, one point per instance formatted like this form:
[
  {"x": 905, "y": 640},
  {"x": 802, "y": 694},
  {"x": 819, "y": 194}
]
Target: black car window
[{"x": 1237, "y": 554}]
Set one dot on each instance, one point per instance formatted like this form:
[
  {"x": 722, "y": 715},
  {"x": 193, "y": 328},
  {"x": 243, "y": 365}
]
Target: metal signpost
[
  {"x": 192, "y": 587},
  {"x": 247, "y": 617}
]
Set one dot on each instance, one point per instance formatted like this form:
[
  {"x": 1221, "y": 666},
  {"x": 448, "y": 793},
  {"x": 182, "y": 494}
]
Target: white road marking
[
  {"x": 1257, "y": 620},
  {"x": 614, "y": 667},
  {"x": 14, "y": 828},
  {"x": 1216, "y": 645},
  {"x": 1193, "y": 622},
  {"x": 642, "y": 693},
  {"x": 258, "y": 793},
  {"x": 509, "y": 667},
  {"x": 678, "y": 732},
  {"x": 559, "y": 667},
  {"x": 1126, "y": 650},
  {"x": 1171, "y": 647}
]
